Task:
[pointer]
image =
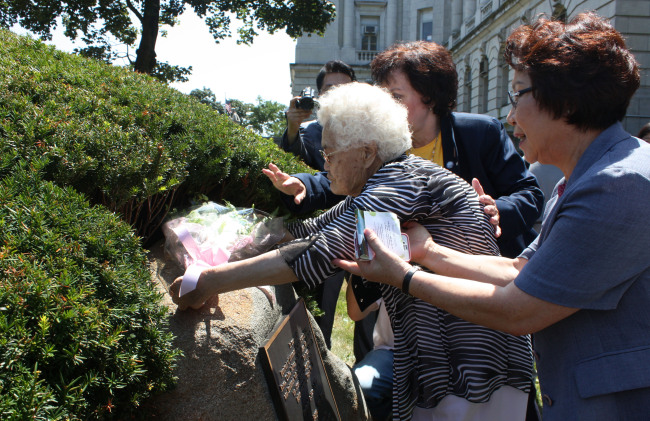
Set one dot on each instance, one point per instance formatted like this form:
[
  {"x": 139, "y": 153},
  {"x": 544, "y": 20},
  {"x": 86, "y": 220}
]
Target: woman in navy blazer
[
  {"x": 583, "y": 286},
  {"x": 422, "y": 75}
]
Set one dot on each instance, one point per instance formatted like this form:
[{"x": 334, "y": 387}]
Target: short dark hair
[
  {"x": 429, "y": 68},
  {"x": 580, "y": 70},
  {"x": 334, "y": 66}
]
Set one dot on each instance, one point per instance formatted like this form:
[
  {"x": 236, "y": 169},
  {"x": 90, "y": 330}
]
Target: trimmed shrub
[
  {"x": 89, "y": 152},
  {"x": 125, "y": 140},
  {"x": 82, "y": 333}
]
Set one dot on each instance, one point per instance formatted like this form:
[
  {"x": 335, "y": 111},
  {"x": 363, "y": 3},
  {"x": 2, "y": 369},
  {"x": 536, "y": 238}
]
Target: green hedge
[
  {"x": 82, "y": 335},
  {"x": 88, "y": 153},
  {"x": 126, "y": 140}
]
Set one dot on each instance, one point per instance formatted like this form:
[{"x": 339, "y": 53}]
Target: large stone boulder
[{"x": 220, "y": 376}]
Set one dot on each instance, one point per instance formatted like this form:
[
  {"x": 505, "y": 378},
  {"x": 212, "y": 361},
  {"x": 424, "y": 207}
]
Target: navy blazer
[
  {"x": 474, "y": 146},
  {"x": 307, "y": 146}
]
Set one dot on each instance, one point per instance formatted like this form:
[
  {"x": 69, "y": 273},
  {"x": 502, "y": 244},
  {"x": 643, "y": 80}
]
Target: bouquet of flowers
[{"x": 213, "y": 234}]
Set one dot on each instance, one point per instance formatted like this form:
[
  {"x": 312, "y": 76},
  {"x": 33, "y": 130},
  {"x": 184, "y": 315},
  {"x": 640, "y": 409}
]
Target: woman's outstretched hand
[
  {"x": 286, "y": 183},
  {"x": 193, "y": 299},
  {"x": 386, "y": 267}
]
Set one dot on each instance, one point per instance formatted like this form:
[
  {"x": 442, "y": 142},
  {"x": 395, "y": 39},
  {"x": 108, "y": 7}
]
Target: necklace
[
  {"x": 436, "y": 141},
  {"x": 435, "y": 147}
]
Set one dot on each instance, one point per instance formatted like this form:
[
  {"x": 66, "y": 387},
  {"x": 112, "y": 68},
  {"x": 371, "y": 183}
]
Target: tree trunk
[{"x": 145, "y": 59}]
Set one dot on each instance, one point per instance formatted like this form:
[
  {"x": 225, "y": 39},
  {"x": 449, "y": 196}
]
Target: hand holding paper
[{"x": 386, "y": 226}]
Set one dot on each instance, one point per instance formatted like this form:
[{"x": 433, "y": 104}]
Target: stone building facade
[{"x": 474, "y": 31}]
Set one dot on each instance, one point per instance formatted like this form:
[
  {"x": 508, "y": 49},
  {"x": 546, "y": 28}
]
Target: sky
[{"x": 231, "y": 71}]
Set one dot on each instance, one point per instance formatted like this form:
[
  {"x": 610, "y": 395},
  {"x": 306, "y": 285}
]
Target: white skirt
[{"x": 506, "y": 404}]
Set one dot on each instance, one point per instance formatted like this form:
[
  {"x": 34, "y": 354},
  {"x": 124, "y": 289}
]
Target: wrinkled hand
[
  {"x": 420, "y": 241},
  {"x": 192, "y": 299},
  {"x": 286, "y": 183},
  {"x": 386, "y": 267},
  {"x": 490, "y": 206}
]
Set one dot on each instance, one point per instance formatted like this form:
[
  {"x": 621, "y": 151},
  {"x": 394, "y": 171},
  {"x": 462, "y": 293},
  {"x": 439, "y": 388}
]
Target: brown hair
[
  {"x": 644, "y": 131},
  {"x": 581, "y": 70},
  {"x": 429, "y": 68}
]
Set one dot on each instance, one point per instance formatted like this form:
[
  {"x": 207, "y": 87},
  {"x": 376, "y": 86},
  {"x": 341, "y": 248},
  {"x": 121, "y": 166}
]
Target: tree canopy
[
  {"x": 99, "y": 22},
  {"x": 266, "y": 118}
]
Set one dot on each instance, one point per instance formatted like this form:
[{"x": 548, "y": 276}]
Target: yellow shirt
[{"x": 432, "y": 151}]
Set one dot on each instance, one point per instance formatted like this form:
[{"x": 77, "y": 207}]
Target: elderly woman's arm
[
  {"x": 266, "y": 269},
  {"x": 502, "y": 307}
]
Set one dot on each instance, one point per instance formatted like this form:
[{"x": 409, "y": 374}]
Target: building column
[
  {"x": 348, "y": 24},
  {"x": 456, "y": 16},
  {"x": 391, "y": 24},
  {"x": 469, "y": 9}
]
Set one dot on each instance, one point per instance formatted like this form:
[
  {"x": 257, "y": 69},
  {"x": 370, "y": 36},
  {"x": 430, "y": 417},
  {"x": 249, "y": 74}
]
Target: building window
[
  {"x": 369, "y": 32},
  {"x": 425, "y": 24}
]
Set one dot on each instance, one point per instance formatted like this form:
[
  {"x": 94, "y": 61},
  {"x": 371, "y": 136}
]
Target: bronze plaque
[{"x": 295, "y": 372}]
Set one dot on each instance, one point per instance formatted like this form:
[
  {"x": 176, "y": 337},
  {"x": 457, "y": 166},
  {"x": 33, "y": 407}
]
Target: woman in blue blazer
[{"x": 582, "y": 288}]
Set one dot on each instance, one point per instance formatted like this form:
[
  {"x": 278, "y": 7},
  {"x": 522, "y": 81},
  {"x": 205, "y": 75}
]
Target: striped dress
[{"x": 436, "y": 354}]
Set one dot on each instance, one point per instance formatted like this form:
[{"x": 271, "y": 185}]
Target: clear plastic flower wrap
[{"x": 212, "y": 234}]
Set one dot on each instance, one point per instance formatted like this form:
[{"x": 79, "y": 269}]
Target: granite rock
[{"x": 220, "y": 376}]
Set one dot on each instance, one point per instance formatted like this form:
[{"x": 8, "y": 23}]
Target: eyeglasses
[
  {"x": 326, "y": 156},
  {"x": 514, "y": 96}
]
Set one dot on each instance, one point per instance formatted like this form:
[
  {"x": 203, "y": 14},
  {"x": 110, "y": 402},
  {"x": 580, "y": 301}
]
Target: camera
[{"x": 306, "y": 100}]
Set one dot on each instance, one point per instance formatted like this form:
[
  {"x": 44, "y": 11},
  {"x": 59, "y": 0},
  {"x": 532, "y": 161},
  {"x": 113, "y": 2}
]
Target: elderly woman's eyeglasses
[
  {"x": 514, "y": 96},
  {"x": 326, "y": 156}
]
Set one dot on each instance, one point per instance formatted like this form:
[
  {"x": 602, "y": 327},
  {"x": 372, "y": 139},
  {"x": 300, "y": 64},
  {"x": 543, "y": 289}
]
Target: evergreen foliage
[
  {"x": 124, "y": 139},
  {"x": 82, "y": 335}
]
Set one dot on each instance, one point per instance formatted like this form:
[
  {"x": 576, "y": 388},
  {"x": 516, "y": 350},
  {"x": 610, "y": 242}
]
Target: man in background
[{"x": 302, "y": 136}]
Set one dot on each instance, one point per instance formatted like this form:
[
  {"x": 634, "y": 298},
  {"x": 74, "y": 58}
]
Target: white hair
[{"x": 357, "y": 114}]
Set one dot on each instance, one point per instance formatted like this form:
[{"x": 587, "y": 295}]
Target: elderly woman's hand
[
  {"x": 193, "y": 299},
  {"x": 286, "y": 183},
  {"x": 386, "y": 267},
  {"x": 490, "y": 206}
]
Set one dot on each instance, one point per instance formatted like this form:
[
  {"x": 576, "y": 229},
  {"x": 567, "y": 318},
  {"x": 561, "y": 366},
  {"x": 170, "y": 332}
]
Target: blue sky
[{"x": 229, "y": 70}]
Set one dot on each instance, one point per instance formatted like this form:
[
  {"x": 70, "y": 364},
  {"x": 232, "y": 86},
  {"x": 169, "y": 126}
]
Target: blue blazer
[
  {"x": 474, "y": 146},
  {"x": 307, "y": 146},
  {"x": 593, "y": 254}
]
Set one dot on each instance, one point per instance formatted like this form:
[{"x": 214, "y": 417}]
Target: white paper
[{"x": 387, "y": 227}]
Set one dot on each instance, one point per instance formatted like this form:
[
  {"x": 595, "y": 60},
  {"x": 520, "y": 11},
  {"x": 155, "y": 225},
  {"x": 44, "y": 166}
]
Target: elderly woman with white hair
[{"x": 444, "y": 367}]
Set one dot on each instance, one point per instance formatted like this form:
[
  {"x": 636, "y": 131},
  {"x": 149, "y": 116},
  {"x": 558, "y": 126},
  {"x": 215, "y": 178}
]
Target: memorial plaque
[{"x": 295, "y": 372}]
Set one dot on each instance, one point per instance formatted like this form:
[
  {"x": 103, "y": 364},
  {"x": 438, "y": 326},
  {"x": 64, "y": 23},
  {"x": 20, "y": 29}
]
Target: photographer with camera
[{"x": 302, "y": 138}]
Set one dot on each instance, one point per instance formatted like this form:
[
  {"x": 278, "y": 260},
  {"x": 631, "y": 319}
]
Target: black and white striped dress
[{"x": 436, "y": 354}]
